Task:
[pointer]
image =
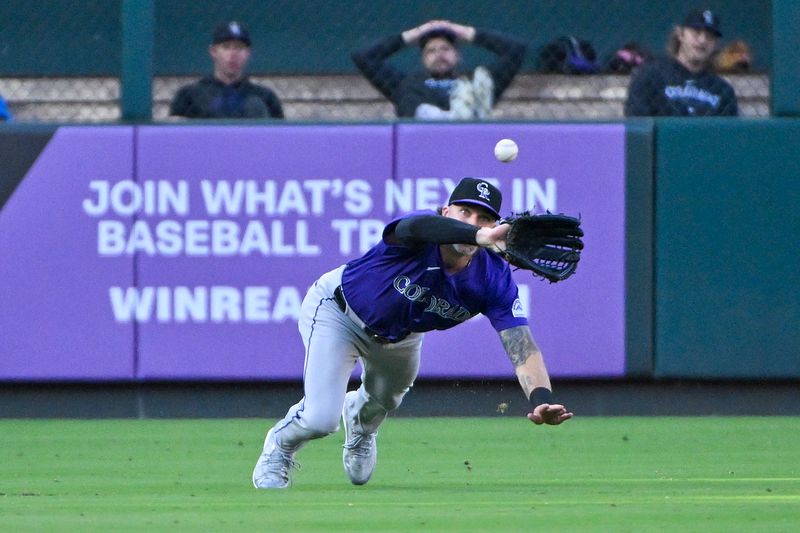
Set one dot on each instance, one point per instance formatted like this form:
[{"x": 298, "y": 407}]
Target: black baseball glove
[{"x": 548, "y": 245}]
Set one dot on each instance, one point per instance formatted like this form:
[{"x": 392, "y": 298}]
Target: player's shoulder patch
[{"x": 517, "y": 309}]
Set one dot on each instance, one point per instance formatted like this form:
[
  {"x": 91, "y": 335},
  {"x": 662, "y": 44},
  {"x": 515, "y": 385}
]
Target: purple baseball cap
[{"x": 477, "y": 192}]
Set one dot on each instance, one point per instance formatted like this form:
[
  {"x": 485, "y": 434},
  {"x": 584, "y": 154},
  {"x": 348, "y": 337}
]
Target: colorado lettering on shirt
[
  {"x": 689, "y": 91},
  {"x": 440, "y": 306},
  {"x": 440, "y": 84}
]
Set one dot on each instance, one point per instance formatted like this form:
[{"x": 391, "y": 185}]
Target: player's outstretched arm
[
  {"x": 443, "y": 230},
  {"x": 532, "y": 375}
]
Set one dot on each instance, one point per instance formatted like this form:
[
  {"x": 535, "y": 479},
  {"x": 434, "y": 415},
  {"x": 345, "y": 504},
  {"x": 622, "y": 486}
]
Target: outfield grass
[{"x": 433, "y": 474}]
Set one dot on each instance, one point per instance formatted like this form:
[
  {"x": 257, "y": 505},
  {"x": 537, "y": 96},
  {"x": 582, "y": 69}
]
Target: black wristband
[{"x": 539, "y": 396}]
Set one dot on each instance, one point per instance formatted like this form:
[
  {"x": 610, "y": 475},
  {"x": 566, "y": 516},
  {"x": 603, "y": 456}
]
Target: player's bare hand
[
  {"x": 493, "y": 238},
  {"x": 551, "y": 414}
]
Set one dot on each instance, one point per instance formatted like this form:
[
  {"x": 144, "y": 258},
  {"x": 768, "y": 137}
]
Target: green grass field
[{"x": 433, "y": 474}]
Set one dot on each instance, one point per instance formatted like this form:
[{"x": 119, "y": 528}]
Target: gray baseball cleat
[
  {"x": 360, "y": 449},
  {"x": 273, "y": 467}
]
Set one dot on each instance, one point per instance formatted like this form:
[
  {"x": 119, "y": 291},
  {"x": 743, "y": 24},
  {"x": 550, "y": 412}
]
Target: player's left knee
[
  {"x": 320, "y": 426},
  {"x": 385, "y": 400},
  {"x": 391, "y": 402}
]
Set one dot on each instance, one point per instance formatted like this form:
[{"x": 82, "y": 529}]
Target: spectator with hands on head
[{"x": 441, "y": 90}]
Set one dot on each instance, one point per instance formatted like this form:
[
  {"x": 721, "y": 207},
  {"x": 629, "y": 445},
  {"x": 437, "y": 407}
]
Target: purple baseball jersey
[{"x": 396, "y": 289}]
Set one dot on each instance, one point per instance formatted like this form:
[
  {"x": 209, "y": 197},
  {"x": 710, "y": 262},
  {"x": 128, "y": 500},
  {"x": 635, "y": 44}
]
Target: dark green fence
[
  {"x": 124, "y": 59},
  {"x": 55, "y": 37}
]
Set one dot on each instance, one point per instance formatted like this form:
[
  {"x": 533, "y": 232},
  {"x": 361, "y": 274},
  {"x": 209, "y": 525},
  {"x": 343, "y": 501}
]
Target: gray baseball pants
[{"x": 334, "y": 341}]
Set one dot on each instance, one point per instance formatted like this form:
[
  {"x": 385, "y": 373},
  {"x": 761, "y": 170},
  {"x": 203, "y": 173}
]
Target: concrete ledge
[{"x": 350, "y": 97}]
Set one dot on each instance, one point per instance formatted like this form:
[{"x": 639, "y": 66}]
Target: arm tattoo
[
  {"x": 519, "y": 344},
  {"x": 528, "y": 384}
]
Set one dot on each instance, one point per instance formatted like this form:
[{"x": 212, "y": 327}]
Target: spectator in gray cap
[
  {"x": 683, "y": 84},
  {"x": 227, "y": 93}
]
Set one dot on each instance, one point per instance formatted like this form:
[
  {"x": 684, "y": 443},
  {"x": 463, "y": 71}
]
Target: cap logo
[
  {"x": 236, "y": 30},
  {"x": 708, "y": 16},
  {"x": 483, "y": 190}
]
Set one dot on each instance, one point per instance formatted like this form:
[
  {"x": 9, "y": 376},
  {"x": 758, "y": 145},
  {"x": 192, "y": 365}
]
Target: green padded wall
[
  {"x": 727, "y": 277},
  {"x": 639, "y": 220}
]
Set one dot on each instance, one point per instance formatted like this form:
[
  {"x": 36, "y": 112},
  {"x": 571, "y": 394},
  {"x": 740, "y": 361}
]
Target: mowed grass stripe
[{"x": 433, "y": 474}]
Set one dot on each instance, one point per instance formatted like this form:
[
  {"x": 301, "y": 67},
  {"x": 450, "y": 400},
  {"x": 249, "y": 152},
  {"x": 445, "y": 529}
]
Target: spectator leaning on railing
[
  {"x": 5, "y": 114},
  {"x": 684, "y": 83},
  {"x": 441, "y": 91},
  {"x": 227, "y": 93}
]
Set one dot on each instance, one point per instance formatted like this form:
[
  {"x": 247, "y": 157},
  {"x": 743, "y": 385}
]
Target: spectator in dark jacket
[
  {"x": 684, "y": 83},
  {"x": 441, "y": 91},
  {"x": 227, "y": 93}
]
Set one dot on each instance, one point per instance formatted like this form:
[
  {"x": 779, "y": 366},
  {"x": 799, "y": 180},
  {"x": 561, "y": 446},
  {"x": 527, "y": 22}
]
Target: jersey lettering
[
  {"x": 412, "y": 291},
  {"x": 689, "y": 92},
  {"x": 439, "y": 306}
]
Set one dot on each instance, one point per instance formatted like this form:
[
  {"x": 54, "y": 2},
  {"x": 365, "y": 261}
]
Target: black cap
[
  {"x": 703, "y": 20},
  {"x": 231, "y": 31},
  {"x": 477, "y": 192},
  {"x": 443, "y": 33}
]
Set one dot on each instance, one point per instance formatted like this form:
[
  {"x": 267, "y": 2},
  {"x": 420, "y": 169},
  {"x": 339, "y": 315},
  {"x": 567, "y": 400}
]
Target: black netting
[{"x": 58, "y": 63}]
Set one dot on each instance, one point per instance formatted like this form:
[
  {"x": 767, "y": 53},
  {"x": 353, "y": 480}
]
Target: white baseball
[{"x": 506, "y": 150}]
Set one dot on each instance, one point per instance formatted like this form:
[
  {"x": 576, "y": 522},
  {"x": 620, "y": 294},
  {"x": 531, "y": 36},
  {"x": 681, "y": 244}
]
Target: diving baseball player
[{"x": 430, "y": 271}]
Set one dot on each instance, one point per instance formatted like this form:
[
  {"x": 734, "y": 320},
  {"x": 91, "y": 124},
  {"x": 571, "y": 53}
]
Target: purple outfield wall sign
[
  {"x": 572, "y": 169},
  {"x": 54, "y": 316},
  {"x": 183, "y": 252},
  {"x": 259, "y": 214}
]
